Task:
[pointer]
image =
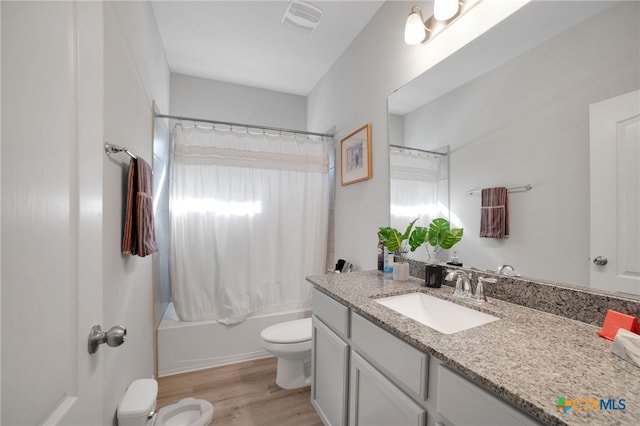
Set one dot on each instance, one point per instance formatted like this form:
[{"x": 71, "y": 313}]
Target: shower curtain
[
  {"x": 418, "y": 188},
  {"x": 249, "y": 215}
]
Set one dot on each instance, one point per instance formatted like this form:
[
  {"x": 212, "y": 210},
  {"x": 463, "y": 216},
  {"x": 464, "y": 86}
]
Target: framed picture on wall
[{"x": 355, "y": 158}]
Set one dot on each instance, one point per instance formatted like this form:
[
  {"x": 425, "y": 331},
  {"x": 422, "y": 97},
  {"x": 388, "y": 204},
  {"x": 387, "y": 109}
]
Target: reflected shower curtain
[
  {"x": 418, "y": 188},
  {"x": 249, "y": 219}
]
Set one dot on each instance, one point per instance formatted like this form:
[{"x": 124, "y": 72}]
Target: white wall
[
  {"x": 215, "y": 100},
  {"x": 0, "y": 209},
  {"x": 354, "y": 92},
  {"x": 136, "y": 74},
  {"x": 527, "y": 123}
]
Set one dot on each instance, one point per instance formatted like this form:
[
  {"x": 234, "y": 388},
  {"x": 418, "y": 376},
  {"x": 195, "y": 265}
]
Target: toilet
[
  {"x": 290, "y": 342},
  {"x": 137, "y": 408}
]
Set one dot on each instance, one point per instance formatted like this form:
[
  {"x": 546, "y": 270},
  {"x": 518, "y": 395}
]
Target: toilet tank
[{"x": 138, "y": 403}]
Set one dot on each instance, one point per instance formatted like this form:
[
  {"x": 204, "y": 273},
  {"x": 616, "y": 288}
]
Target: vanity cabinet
[
  {"x": 405, "y": 365},
  {"x": 375, "y": 400},
  {"x": 364, "y": 375},
  {"x": 462, "y": 402},
  {"x": 330, "y": 359}
]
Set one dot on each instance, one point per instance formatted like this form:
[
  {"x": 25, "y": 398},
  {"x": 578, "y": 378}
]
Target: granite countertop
[{"x": 530, "y": 358}]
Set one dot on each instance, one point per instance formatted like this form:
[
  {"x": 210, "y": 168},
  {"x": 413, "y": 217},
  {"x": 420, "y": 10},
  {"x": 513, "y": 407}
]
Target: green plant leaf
[
  {"x": 392, "y": 238},
  {"x": 407, "y": 232},
  {"x": 438, "y": 230},
  {"x": 418, "y": 237},
  {"x": 449, "y": 240},
  {"x": 441, "y": 235}
]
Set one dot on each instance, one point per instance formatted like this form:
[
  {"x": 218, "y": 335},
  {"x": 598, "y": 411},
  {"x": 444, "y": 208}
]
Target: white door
[
  {"x": 615, "y": 193},
  {"x": 51, "y": 152}
]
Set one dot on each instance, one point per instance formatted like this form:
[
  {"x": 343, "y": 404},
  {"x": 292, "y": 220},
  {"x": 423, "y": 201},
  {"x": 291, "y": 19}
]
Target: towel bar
[
  {"x": 524, "y": 188},
  {"x": 114, "y": 149}
]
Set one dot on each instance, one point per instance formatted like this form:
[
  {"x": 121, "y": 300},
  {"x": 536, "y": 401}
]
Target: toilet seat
[
  {"x": 288, "y": 332},
  {"x": 186, "y": 412}
]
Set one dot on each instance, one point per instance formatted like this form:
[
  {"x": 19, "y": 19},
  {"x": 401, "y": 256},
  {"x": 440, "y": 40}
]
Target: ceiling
[{"x": 244, "y": 42}]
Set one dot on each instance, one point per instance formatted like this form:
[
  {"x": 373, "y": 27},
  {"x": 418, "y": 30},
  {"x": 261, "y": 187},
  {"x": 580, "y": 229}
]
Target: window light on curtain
[
  {"x": 418, "y": 184},
  {"x": 249, "y": 217}
]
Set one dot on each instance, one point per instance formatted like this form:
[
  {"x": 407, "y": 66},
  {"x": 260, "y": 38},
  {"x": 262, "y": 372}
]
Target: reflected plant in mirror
[{"x": 439, "y": 235}]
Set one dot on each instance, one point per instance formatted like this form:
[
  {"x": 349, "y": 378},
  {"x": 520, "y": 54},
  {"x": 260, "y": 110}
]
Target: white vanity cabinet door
[
  {"x": 330, "y": 375},
  {"x": 376, "y": 401},
  {"x": 464, "y": 403}
]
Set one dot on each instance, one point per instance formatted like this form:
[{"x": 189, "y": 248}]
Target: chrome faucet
[
  {"x": 464, "y": 287},
  {"x": 463, "y": 282},
  {"x": 501, "y": 269}
]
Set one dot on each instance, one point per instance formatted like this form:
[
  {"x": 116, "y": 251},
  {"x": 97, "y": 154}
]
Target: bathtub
[{"x": 189, "y": 346}]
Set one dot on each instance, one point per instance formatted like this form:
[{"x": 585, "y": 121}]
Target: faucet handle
[
  {"x": 480, "y": 296},
  {"x": 459, "y": 290}
]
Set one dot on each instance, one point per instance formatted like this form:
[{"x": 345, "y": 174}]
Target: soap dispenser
[{"x": 454, "y": 261}]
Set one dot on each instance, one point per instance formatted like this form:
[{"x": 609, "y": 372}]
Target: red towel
[
  {"x": 139, "y": 234},
  {"x": 494, "y": 213}
]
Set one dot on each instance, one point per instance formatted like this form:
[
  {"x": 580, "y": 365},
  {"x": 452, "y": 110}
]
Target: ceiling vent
[{"x": 302, "y": 16}]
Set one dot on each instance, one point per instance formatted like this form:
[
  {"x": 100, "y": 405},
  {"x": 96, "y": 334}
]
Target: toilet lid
[
  {"x": 288, "y": 332},
  {"x": 139, "y": 400}
]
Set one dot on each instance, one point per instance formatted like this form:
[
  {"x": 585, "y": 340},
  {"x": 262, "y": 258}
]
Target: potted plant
[
  {"x": 397, "y": 243},
  {"x": 439, "y": 235}
]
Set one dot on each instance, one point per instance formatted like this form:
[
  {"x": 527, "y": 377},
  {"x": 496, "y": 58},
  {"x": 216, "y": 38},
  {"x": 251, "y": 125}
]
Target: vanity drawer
[
  {"x": 402, "y": 363},
  {"x": 333, "y": 313}
]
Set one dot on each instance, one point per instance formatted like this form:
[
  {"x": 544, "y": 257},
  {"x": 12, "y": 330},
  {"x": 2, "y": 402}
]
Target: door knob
[
  {"x": 114, "y": 337},
  {"x": 600, "y": 261}
]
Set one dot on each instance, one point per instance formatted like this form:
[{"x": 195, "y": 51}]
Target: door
[
  {"x": 51, "y": 234},
  {"x": 615, "y": 193}
]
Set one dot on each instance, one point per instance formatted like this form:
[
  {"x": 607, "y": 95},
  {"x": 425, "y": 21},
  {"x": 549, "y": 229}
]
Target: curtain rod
[
  {"x": 226, "y": 123},
  {"x": 419, "y": 150}
]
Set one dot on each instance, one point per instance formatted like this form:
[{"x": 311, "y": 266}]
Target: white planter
[{"x": 401, "y": 271}]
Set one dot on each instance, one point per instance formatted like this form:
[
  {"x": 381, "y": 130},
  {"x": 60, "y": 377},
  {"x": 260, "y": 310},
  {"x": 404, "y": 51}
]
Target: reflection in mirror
[
  {"x": 514, "y": 110},
  {"x": 419, "y": 188}
]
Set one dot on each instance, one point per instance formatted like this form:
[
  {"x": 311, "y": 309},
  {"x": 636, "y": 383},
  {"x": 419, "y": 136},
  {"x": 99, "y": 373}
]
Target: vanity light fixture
[{"x": 445, "y": 12}]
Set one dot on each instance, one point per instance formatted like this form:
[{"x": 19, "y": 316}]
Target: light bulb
[
  {"x": 445, "y": 9},
  {"x": 414, "y": 31}
]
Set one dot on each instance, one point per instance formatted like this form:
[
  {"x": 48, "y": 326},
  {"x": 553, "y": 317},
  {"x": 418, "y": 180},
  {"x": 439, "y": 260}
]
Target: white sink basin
[{"x": 441, "y": 315}]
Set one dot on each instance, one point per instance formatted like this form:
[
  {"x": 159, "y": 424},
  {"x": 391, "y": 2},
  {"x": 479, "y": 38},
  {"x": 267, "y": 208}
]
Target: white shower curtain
[
  {"x": 249, "y": 216},
  {"x": 418, "y": 188}
]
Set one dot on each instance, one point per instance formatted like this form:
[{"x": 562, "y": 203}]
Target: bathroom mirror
[{"x": 513, "y": 108}]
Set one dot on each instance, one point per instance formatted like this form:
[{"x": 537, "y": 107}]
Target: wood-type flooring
[{"x": 243, "y": 394}]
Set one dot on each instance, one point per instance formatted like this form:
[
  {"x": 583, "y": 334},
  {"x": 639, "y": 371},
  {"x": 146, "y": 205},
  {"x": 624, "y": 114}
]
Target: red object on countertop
[{"x": 614, "y": 321}]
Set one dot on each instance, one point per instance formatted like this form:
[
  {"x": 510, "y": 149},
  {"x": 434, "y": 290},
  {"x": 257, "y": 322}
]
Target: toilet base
[{"x": 293, "y": 373}]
